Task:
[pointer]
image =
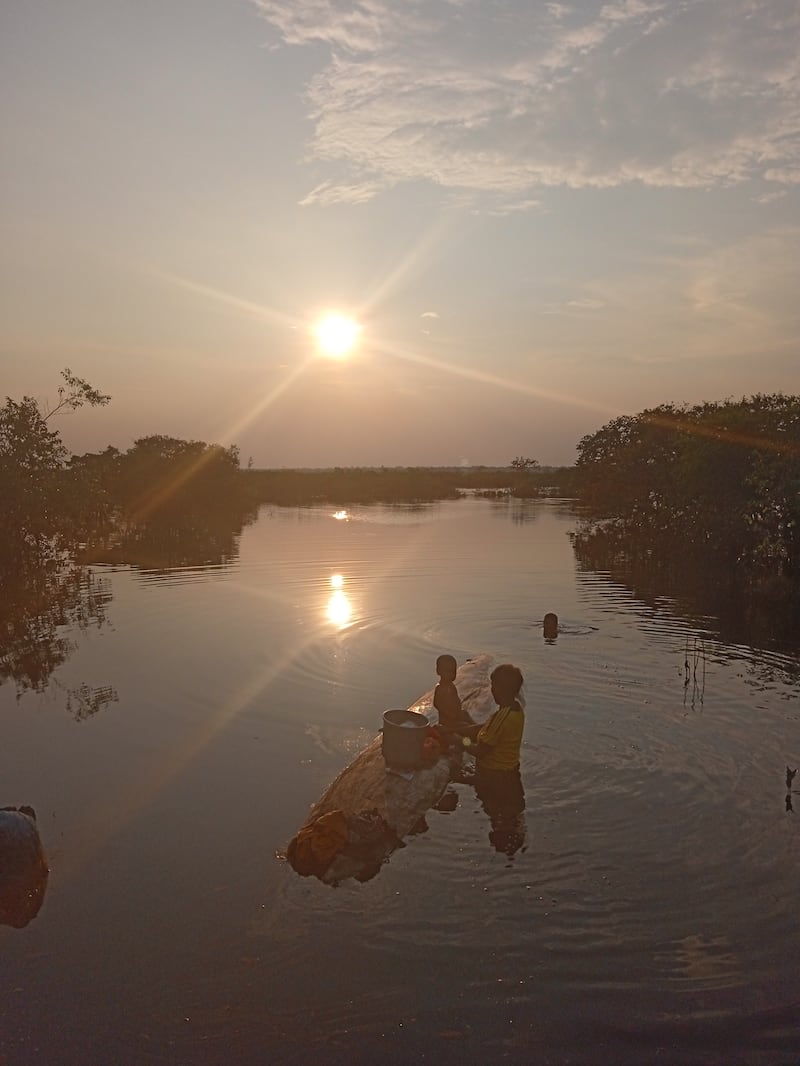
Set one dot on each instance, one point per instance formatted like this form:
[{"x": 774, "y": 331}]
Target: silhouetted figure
[
  {"x": 23, "y": 867},
  {"x": 550, "y": 626},
  {"x": 446, "y": 700},
  {"x": 789, "y": 777},
  {"x": 497, "y": 745}
]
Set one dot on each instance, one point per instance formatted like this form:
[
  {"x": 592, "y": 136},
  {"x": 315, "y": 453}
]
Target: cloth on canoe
[{"x": 315, "y": 847}]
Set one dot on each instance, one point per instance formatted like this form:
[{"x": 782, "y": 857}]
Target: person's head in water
[
  {"x": 506, "y": 682},
  {"x": 550, "y": 626},
  {"x": 446, "y": 667}
]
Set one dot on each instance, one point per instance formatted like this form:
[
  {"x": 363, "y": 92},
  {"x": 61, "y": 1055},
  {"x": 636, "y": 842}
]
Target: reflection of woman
[
  {"x": 497, "y": 778},
  {"x": 23, "y": 867},
  {"x": 505, "y": 806}
]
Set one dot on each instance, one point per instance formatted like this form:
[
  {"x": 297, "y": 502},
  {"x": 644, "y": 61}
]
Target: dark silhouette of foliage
[
  {"x": 363, "y": 485},
  {"x": 40, "y": 505},
  {"x": 720, "y": 480},
  {"x": 523, "y": 484},
  {"x": 165, "y": 476},
  {"x": 74, "y": 393}
]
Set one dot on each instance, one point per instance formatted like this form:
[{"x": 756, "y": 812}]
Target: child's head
[
  {"x": 446, "y": 667},
  {"x": 506, "y": 682}
]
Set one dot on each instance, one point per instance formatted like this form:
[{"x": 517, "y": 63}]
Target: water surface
[{"x": 649, "y": 917}]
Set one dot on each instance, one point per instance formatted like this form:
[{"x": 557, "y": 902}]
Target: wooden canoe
[{"x": 367, "y": 811}]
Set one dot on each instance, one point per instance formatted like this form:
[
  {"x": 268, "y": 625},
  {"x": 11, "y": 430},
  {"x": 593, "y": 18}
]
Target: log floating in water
[{"x": 366, "y": 812}]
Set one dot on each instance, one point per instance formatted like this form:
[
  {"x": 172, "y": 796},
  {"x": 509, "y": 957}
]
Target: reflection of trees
[
  {"x": 42, "y": 599},
  {"x": 198, "y": 539},
  {"x": 504, "y": 506},
  {"x": 84, "y": 700},
  {"x": 694, "y": 587}
]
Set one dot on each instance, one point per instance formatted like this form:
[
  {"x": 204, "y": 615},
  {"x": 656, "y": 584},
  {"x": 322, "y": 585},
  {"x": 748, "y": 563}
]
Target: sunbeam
[{"x": 485, "y": 378}]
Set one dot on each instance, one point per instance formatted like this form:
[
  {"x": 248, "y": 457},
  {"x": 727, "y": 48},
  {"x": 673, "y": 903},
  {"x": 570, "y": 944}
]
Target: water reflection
[
  {"x": 46, "y": 599},
  {"x": 39, "y": 604},
  {"x": 159, "y": 546},
  {"x": 84, "y": 700},
  {"x": 503, "y": 799},
  {"x": 339, "y": 609},
  {"x": 694, "y": 668},
  {"x": 692, "y": 591}
]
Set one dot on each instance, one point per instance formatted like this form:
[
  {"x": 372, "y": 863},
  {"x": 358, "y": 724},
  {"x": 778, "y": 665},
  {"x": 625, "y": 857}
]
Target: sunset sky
[{"x": 541, "y": 215}]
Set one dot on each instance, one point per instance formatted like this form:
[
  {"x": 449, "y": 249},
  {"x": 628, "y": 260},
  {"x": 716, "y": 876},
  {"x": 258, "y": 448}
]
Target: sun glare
[
  {"x": 336, "y": 335},
  {"x": 339, "y": 609}
]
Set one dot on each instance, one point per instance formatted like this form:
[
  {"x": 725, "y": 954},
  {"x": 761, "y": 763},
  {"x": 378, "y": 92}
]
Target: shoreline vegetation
[
  {"x": 701, "y": 502},
  {"x": 364, "y": 485}
]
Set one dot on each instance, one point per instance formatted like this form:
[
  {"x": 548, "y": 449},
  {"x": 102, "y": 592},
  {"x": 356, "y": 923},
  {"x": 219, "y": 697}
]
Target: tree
[
  {"x": 74, "y": 393},
  {"x": 524, "y": 465},
  {"x": 164, "y": 476},
  {"x": 721, "y": 479},
  {"x": 32, "y": 459}
]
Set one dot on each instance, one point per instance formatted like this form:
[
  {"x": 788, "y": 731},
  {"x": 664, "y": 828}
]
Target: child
[{"x": 452, "y": 716}]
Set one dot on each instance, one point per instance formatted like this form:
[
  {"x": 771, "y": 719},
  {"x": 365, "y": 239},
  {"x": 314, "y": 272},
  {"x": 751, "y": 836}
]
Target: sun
[{"x": 336, "y": 335}]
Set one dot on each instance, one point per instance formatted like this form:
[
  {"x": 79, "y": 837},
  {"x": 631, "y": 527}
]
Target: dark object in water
[
  {"x": 789, "y": 777},
  {"x": 23, "y": 867},
  {"x": 550, "y": 626}
]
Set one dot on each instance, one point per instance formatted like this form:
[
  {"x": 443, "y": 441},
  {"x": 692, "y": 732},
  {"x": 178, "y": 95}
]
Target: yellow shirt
[{"x": 503, "y": 735}]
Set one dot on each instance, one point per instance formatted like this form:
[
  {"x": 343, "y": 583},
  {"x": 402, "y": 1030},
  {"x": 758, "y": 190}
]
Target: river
[{"x": 188, "y": 723}]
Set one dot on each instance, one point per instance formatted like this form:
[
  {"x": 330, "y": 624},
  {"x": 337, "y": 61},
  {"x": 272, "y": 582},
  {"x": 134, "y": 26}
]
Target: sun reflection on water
[{"x": 339, "y": 609}]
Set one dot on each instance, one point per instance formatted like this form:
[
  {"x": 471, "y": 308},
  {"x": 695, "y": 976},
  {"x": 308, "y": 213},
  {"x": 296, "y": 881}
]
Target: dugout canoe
[{"x": 367, "y": 811}]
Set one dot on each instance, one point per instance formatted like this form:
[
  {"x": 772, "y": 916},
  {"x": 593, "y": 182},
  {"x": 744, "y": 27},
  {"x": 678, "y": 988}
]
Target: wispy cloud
[
  {"x": 586, "y": 304},
  {"x": 513, "y": 96}
]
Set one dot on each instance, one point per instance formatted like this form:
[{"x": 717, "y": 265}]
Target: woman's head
[{"x": 506, "y": 682}]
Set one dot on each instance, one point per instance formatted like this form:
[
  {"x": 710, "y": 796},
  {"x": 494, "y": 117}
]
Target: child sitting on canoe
[{"x": 452, "y": 716}]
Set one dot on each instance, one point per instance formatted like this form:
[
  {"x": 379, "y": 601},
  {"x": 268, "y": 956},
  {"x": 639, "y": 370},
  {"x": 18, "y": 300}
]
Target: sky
[{"x": 540, "y": 215}]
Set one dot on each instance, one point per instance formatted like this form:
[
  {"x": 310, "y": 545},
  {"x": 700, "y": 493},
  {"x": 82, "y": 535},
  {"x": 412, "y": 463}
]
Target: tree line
[
  {"x": 715, "y": 482},
  {"x": 53, "y": 500},
  {"x": 721, "y": 480}
]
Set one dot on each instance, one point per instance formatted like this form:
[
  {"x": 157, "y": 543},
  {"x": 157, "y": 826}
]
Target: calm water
[{"x": 650, "y": 917}]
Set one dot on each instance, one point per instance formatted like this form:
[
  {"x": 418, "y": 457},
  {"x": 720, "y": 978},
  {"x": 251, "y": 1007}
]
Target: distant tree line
[
  {"x": 413, "y": 484},
  {"x": 716, "y": 483}
]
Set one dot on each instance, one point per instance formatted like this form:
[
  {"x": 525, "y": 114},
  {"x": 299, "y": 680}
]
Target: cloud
[
  {"x": 338, "y": 193},
  {"x": 429, "y": 314},
  {"x": 514, "y": 96},
  {"x": 586, "y": 304},
  {"x": 783, "y": 175}
]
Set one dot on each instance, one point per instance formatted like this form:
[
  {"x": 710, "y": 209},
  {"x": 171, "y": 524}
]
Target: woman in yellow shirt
[
  {"x": 497, "y": 778},
  {"x": 498, "y": 740}
]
